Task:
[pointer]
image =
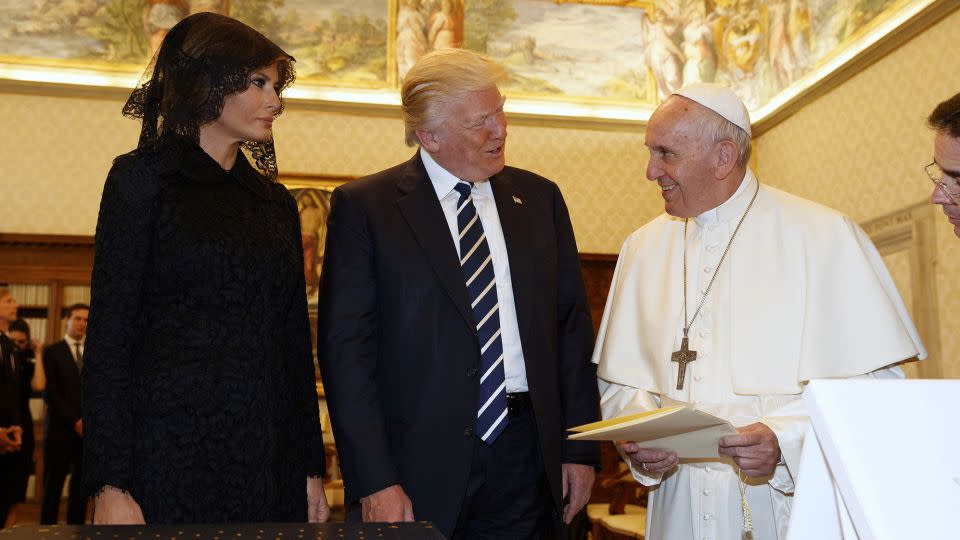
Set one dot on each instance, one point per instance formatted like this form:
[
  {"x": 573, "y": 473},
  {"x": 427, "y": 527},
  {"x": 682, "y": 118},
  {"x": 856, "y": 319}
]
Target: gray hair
[{"x": 715, "y": 128}]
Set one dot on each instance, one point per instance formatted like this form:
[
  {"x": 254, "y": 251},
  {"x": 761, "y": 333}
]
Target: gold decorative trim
[
  {"x": 316, "y": 181},
  {"x": 874, "y": 41}
]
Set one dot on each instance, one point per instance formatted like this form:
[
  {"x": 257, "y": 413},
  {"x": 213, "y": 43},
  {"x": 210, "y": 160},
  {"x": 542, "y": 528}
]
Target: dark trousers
[
  {"x": 4, "y": 512},
  {"x": 507, "y": 495},
  {"x": 59, "y": 458},
  {"x": 7, "y": 490}
]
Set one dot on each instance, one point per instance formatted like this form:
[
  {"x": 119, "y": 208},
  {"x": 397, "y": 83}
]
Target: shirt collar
[
  {"x": 71, "y": 342},
  {"x": 443, "y": 180},
  {"x": 733, "y": 207}
]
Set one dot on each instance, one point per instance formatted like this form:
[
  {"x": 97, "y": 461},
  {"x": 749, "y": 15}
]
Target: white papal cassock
[{"x": 803, "y": 294}]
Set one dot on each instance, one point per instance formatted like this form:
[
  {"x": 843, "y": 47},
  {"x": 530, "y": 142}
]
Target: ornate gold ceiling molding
[{"x": 882, "y": 38}]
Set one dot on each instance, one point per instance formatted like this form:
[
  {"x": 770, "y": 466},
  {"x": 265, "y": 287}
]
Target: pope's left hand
[
  {"x": 754, "y": 449},
  {"x": 577, "y": 483}
]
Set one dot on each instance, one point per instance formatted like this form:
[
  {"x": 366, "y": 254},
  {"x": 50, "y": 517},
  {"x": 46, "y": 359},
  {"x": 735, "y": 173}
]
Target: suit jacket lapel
[
  {"x": 71, "y": 366},
  {"x": 515, "y": 222},
  {"x": 421, "y": 209}
]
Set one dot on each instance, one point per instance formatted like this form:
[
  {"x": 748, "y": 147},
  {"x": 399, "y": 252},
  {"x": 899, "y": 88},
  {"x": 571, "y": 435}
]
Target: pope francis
[{"x": 731, "y": 301}]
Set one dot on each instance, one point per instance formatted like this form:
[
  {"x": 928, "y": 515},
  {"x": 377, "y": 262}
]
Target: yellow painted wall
[{"x": 58, "y": 151}]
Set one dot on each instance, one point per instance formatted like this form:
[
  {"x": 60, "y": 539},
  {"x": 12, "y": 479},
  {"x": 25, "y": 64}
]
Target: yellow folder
[{"x": 689, "y": 432}]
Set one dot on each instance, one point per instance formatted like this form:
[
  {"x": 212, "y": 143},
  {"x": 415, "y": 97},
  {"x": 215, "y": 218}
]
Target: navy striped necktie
[{"x": 477, "y": 265}]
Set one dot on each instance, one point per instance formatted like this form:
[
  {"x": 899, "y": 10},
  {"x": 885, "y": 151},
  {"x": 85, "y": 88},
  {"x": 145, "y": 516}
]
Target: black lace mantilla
[{"x": 179, "y": 91}]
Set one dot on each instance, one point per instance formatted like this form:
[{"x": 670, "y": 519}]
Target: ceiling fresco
[{"x": 603, "y": 59}]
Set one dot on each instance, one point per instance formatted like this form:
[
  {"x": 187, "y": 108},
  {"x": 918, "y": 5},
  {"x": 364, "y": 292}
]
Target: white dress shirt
[{"x": 443, "y": 182}]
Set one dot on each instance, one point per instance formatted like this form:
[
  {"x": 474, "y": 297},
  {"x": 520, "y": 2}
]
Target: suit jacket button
[
  {"x": 468, "y": 432},
  {"x": 472, "y": 372}
]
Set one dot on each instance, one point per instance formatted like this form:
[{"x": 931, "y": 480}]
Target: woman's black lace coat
[{"x": 199, "y": 395}]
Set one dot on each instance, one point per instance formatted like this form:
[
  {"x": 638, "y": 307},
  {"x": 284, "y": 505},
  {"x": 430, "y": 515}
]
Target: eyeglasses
[{"x": 949, "y": 185}]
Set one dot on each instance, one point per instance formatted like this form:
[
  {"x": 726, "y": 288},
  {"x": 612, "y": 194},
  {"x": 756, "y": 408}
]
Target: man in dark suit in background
[
  {"x": 454, "y": 332},
  {"x": 63, "y": 428},
  {"x": 11, "y": 427}
]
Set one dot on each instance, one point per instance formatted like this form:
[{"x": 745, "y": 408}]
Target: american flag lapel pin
[{"x": 517, "y": 200}]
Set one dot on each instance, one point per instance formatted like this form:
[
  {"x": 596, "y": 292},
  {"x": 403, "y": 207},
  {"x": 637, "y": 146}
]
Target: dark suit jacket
[
  {"x": 10, "y": 413},
  {"x": 11, "y": 490},
  {"x": 62, "y": 393},
  {"x": 397, "y": 345}
]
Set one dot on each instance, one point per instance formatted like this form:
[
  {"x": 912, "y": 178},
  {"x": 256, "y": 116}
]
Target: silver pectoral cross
[{"x": 683, "y": 357}]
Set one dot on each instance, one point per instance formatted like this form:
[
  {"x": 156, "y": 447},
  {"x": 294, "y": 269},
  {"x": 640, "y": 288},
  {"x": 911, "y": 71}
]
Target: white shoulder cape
[{"x": 810, "y": 298}]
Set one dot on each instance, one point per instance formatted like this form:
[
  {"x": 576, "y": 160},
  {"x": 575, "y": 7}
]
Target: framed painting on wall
[
  {"x": 550, "y": 48},
  {"x": 335, "y": 42},
  {"x": 312, "y": 193},
  {"x": 588, "y": 51}
]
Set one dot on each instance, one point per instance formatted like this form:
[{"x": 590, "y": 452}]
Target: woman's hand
[{"x": 318, "y": 511}]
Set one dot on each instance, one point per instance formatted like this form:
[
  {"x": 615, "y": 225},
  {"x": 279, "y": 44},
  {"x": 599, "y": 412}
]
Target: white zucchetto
[{"x": 719, "y": 99}]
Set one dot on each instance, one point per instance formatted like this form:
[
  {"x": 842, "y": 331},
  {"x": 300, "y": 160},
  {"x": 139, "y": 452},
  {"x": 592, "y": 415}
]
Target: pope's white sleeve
[
  {"x": 790, "y": 421},
  {"x": 618, "y": 400}
]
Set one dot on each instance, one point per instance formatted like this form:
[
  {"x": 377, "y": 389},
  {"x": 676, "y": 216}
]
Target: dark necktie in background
[{"x": 79, "y": 355}]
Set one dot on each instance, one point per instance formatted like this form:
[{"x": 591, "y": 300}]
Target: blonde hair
[
  {"x": 438, "y": 78},
  {"x": 4, "y": 292}
]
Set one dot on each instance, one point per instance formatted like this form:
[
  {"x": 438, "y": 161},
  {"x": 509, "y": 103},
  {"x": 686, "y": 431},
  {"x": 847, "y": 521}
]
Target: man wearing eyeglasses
[{"x": 945, "y": 169}]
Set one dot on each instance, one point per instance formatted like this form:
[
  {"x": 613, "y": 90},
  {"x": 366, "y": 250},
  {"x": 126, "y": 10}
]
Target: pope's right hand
[
  {"x": 390, "y": 504},
  {"x": 116, "y": 507},
  {"x": 648, "y": 459}
]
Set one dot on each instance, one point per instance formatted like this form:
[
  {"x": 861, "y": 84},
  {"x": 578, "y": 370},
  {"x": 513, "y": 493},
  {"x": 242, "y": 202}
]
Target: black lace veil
[{"x": 203, "y": 59}]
